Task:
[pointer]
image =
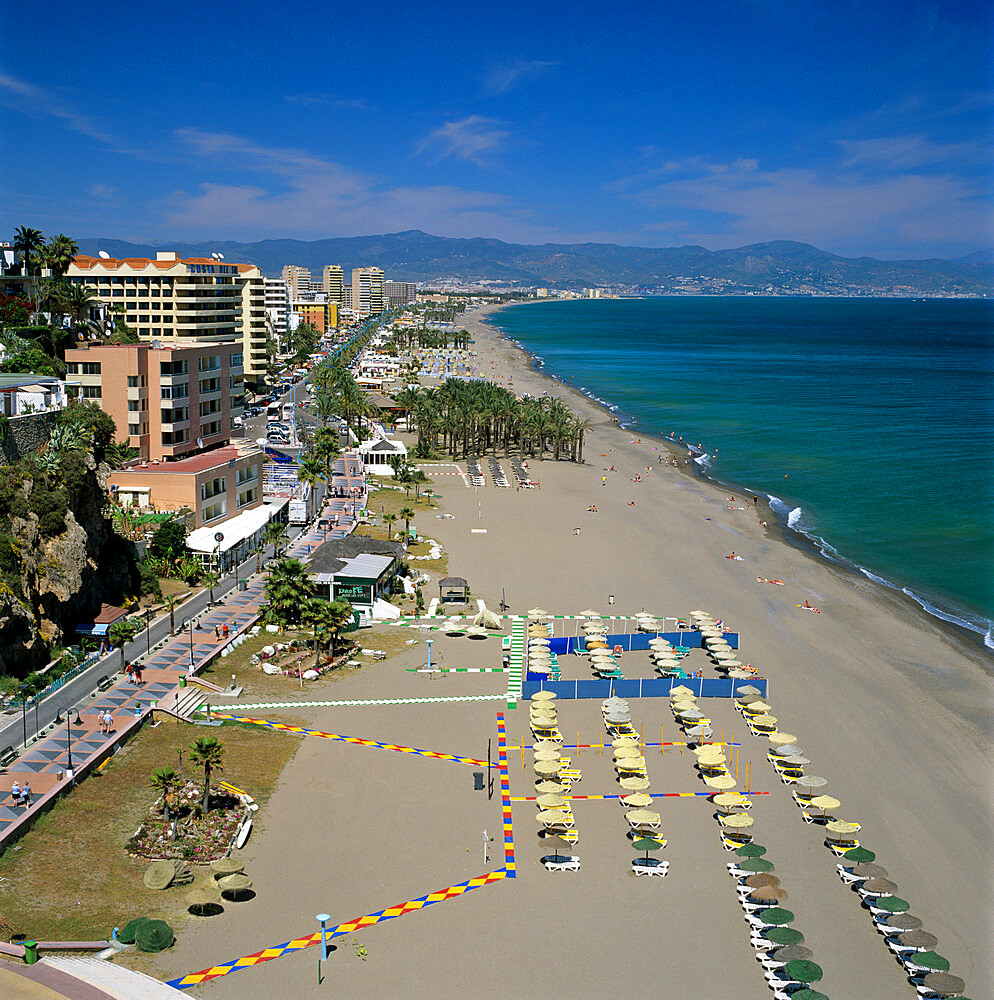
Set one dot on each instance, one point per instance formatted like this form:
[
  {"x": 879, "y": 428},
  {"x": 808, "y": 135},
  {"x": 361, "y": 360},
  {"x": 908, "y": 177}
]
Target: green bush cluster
[
  {"x": 154, "y": 935},
  {"x": 126, "y": 935}
]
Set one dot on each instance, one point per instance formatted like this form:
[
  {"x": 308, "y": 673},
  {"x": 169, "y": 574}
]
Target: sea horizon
[{"x": 892, "y": 372}]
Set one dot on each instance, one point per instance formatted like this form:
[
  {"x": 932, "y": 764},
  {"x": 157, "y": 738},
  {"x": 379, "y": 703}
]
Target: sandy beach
[{"x": 890, "y": 706}]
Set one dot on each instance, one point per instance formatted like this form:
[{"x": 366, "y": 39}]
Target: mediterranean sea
[{"x": 869, "y": 423}]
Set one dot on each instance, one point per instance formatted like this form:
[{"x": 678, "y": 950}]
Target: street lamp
[
  {"x": 148, "y": 635},
  {"x": 24, "y": 712},
  {"x": 191, "y": 644},
  {"x": 78, "y": 722}
]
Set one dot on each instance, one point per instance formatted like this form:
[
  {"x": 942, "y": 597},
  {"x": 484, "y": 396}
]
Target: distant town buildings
[
  {"x": 320, "y": 313},
  {"x": 277, "y": 307},
  {"x": 399, "y": 293},
  {"x": 333, "y": 284},
  {"x": 184, "y": 301},
  {"x": 298, "y": 278},
  {"x": 367, "y": 291}
]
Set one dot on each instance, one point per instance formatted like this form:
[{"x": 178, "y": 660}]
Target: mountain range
[{"x": 780, "y": 266}]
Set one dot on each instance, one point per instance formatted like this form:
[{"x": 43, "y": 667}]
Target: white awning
[{"x": 235, "y": 530}]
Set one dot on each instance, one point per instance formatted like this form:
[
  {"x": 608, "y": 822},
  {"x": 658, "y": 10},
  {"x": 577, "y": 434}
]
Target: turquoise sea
[{"x": 869, "y": 423}]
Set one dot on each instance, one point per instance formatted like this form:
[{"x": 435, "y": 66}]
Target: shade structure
[
  {"x": 728, "y": 800},
  {"x": 750, "y": 851},
  {"x": 539, "y": 656},
  {"x": 804, "y": 971},
  {"x": 554, "y": 817},
  {"x": 477, "y": 632},
  {"x": 551, "y": 801},
  {"x": 617, "y": 718},
  {"x": 634, "y": 784},
  {"x": 234, "y": 885},
  {"x": 771, "y": 895},
  {"x": 537, "y": 613},
  {"x": 824, "y": 802},
  {"x": 544, "y": 696},
  {"x": 546, "y": 745},
  {"x": 783, "y": 935},
  {"x": 747, "y": 699},
  {"x": 647, "y": 844},
  {"x": 681, "y": 689},
  {"x": 544, "y": 668},
  {"x": 869, "y": 870},
  {"x": 747, "y": 689},
  {"x": 701, "y": 732},
  {"x": 810, "y": 782},
  {"x": 858, "y": 855},
  {"x": 781, "y": 739},
  {"x": 807, "y": 994},
  {"x": 642, "y": 817},
  {"x": 227, "y": 866},
  {"x": 487, "y": 619},
  {"x": 550, "y": 788},
  {"x": 878, "y": 887},
  {"x": 691, "y": 713},
  {"x": 547, "y": 755},
  {"x": 547, "y": 767},
  {"x": 792, "y": 953},
  {"x": 620, "y": 753},
  {"x": 892, "y": 904},
  {"x": 540, "y": 640},
  {"x": 761, "y": 880},
  {"x": 927, "y": 960},
  {"x": 776, "y": 916},
  {"x": 757, "y": 708},
  {"x": 737, "y": 821},
  {"x": 202, "y": 903},
  {"x": 624, "y": 741},
  {"x": 902, "y": 922},
  {"x": 590, "y": 613},
  {"x": 756, "y": 865},
  {"x": 637, "y": 800},
  {"x": 842, "y": 828},
  {"x": 944, "y": 983},
  {"x": 794, "y": 761},
  {"x": 723, "y": 782},
  {"x": 763, "y": 720},
  {"x": 631, "y": 764},
  {"x": 918, "y": 939}
]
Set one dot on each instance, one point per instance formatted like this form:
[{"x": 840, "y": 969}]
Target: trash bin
[
  {"x": 182, "y": 680},
  {"x": 243, "y": 584},
  {"x": 477, "y": 781},
  {"x": 30, "y": 952}
]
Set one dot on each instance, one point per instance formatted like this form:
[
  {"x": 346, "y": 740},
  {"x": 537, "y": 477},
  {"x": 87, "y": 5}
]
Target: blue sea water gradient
[{"x": 871, "y": 420}]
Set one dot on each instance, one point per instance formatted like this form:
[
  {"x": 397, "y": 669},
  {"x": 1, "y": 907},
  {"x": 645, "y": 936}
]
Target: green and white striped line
[
  {"x": 455, "y": 670},
  {"x": 516, "y": 662},
  {"x": 368, "y": 701}
]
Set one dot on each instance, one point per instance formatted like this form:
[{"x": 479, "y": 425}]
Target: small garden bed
[{"x": 200, "y": 838}]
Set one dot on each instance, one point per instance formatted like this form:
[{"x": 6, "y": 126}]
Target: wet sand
[{"x": 892, "y": 709}]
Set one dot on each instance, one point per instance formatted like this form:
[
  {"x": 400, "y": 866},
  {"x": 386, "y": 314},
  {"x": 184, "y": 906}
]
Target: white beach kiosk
[{"x": 376, "y": 454}]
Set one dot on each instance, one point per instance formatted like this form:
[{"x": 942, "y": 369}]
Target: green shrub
[
  {"x": 126, "y": 935},
  {"x": 154, "y": 935},
  {"x": 149, "y": 579}
]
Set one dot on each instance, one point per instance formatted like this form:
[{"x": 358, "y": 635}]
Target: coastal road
[{"x": 14, "y": 724}]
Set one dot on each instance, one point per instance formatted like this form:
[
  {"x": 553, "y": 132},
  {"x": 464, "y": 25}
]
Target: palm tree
[
  {"x": 208, "y": 753},
  {"x": 342, "y": 616},
  {"x": 388, "y": 520},
  {"x": 210, "y": 580},
  {"x": 274, "y": 534},
  {"x": 27, "y": 241},
  {"x": 120, "y": 634},
  {"x": 309, "y": 471},
  {"x": 164, "y": 780},
  {"x": 318, "y": 615},
  {"x": 406, "y": 513},
  {"x": 58, "y": 254},
  {"x": 580, "y": 427},
  {"x": 79, "y": 301},
  {"x": 287, "y": 588},
  {"x": 172, "y": 601}
]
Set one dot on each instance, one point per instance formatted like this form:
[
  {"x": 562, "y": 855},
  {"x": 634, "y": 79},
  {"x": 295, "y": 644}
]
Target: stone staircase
[{"x": 182, "y": 702}]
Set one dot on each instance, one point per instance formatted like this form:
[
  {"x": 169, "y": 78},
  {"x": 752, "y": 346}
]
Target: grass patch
[{"x": 69, "y": 878}]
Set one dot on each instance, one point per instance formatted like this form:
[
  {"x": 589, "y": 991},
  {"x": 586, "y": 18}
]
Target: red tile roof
[{"x": 108, "y": 614}]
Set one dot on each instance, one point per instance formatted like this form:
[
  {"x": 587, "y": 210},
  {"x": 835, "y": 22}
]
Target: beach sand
[{"x": 890, "y": 707}]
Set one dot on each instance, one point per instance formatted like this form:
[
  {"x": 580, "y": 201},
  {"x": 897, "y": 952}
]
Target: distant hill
[{"x": 779, "y": 266}]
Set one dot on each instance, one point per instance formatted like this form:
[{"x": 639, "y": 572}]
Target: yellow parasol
[
  {"x": 781, "y": 739},
  {"x": 722, "y": 782},
  {"x": 737, "y": 821},
  {"x": 642, "y": 817},
  {"x": 634, "y": 784},
  {"x": 639, "y": 800}
]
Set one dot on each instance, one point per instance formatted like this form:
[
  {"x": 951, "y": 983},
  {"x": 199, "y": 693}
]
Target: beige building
[
  {"x": 184, "y": 301},
  {"x": 298, "y": 278},
  {"x": 367, "y": 291},
  {"x": 217, "y": 485},
  {"x": 399, "y": 293},
  {"x": 170, "y": 400},
  {"x": 334, "y": 284}
]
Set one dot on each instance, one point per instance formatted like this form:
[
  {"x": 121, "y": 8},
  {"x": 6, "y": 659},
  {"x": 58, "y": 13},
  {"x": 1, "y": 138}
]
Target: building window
[
  {"x": 209, "y": 430},
  {"x": 175, "y": 437},
  {"x": 211, "y": 363},
  {"x": 236, "y": 361},
  {"x": 211, "y": 406},
  {"x": 215, "y": 510},
  {"x": 90, "y": 391},
  {"x": 248, "y": 474},
  {"x": 210, "y": 385},
  {"x": 248, "y": 496},
  {"x": 213, "y": 488}
]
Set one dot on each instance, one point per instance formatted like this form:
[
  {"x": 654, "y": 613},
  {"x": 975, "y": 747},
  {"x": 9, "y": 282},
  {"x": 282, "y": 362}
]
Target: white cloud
[
  {"x": 326, "y": 101},
  {"x": 906, "y": 152},
  {"x": 104, "y": 192},
  {"x": 473, "y": 138},
  {"x": 504, "y": 76}
]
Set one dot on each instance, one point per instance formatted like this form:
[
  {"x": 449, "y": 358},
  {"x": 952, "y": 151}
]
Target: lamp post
[
  {"x": 78, "y": 722},
  {"x": 24, "y": 712},
  {"x": 148, "y": 634},
  {"x": 191, "y": 644},
  {"x": 429, "y": 641}
]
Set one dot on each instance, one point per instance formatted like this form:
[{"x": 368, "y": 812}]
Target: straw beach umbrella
[
  {"x": 550, "y": 788},
  {"x": 737, "y": 821},
  {"x": 810, "y": 782},
  {"x": 642, "y": 817},
  {"x": 791, "y": 953},
  {"x": 544, "y": 696},
  {"x": 879, "y": 887},
  {"x": 547, "y": 755},
  {"x": 781, "y": 739},
  {"x": 634, "y": 784},
  {"x": 552, "y": 801},
  {"x": 723, "y": 782},
  {"x": 869, "y": 870},
  {"x": 919, "y": 940},
  {"x": 771, "y": 895},
  {"x": 761, "y": 880},
  {"x": 547, "y": 768},
  {"x": 902, "y": 922},
  {"x": 637, "y": 800},
  {"x": 944, "y": 983}
]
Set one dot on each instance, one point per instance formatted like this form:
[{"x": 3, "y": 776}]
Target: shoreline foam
[{"x": 970, "y": 627}]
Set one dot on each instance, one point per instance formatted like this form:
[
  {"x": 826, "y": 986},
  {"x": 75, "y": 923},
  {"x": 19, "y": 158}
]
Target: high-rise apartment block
[
  {"x": 298, "y": 278},
  {"x": 334, "y": 284},
  {"x": 367, "y": 290},
  {"x": 184, "y": 302},
  {"x": 321, "y": 315},
  {"x": 399, "y": 293},
  {"x": 171, "y": 400},
  {"x": 277, "y": 307}
]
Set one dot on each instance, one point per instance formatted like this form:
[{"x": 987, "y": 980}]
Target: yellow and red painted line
[
  {"x": 652, "y": 795},
  {"x": 300, "y": 730},
  {"x": 371, "y": 919}
]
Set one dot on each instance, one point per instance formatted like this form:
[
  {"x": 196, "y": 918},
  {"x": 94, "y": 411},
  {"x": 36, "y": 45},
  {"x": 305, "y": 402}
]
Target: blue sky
[{"x": 861, "y": 127}]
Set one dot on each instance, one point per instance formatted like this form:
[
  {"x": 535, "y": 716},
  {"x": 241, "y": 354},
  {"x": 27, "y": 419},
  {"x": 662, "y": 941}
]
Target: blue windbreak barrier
[
  {"x": 649, "y": 687},
  {"x": 639, "y": 640},
  {"x": 279, "y": 457}
]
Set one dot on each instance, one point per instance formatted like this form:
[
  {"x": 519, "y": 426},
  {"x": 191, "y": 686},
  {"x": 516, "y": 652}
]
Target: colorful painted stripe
[
  {"x": 369, "y": 701},
  {"x": 283, "y": 727},
  {"x": 505, "y": 797},
  {"x": 349, "y": 927},
  {"x": 455, "y": 670},
  {"x": 652, "y": 795}
]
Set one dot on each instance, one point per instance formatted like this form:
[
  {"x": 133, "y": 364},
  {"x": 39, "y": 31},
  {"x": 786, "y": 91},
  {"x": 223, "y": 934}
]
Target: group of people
[
  {"x": 134, "y": 672},
  {"x": 223, "y": 631},
  {"x": 21, "y": 794}
]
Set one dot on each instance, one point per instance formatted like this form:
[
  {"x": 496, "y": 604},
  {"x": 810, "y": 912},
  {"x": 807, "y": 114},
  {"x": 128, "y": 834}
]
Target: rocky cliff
[{"x": 55, "y": 580}]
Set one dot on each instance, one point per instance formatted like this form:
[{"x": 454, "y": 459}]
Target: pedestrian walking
[
  {"x": 138, "y": 675},
  {"x": 15, "y": 791},
  {"x": 108, "y": 722},
  {"x": 217, "y": 634},
  {"x": 25, "y": 797},
  {"x": 129, "y": 670},
  {"x": 224, "y": 630}
]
